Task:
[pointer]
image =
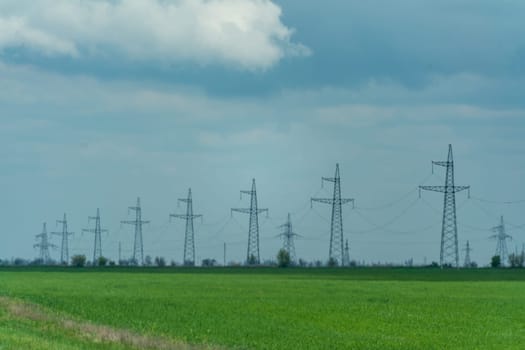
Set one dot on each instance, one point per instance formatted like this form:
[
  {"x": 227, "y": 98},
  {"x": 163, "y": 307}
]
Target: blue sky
[{"x": 104, "y": 101}]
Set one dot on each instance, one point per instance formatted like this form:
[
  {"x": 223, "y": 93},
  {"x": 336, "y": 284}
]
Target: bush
[
  {"x": 78, "y": 260},
  {"x": 283, "y": 258}
]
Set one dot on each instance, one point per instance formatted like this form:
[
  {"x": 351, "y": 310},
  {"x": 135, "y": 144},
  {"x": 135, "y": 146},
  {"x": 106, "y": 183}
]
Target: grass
[{"x": 270, "y": 308}]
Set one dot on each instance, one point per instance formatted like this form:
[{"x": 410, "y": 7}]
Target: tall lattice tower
[
  {"x": 346, "y": 255},
  {"x": 449, "y": 254},
  {"x": 252, "y": 255},
  {"x": 64, "y": 247},
  {"x": 467, "y": 249},
  {"x": 336, "y": 228},
  {"x": 189, "y": 236},
  {"x": 97, "y": 248},
  {"x": 501, "y": 236},
  {"x": 138, "y": 247},
  {"x": 288, "y": 239},
  {"x": 44, "y": 245}
]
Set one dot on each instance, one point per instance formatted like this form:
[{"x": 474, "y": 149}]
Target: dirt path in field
[{"x": 92, "y": 332}]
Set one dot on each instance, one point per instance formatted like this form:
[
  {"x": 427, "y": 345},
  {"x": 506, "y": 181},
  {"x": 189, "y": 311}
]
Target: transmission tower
[
  {"x": 346, "y": 256},
  {"x": 189, "y": 237},
  {"x": 288, "y": 239},
  {"x": 252, "y": 255},
  {"x": 467, "y": 249},
  {"x": 44, "y": 245},
  {"x": 336, "y": 228},
  {"x": 449, "y": 230},
  {"x": 501, "y": 236},
  {"x": 97, "y": 249},
  {"x": 64, "y": 247},
  {"x": 138, "y": 248}
]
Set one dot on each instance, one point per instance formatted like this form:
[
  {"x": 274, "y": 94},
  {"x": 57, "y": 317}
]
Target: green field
[{"x": 262, "y": 309}]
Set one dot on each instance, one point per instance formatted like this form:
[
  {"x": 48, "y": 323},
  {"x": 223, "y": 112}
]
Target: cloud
[{"x": 247, "y": 34}]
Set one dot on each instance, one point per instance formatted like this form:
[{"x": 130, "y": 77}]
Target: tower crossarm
[
  {"x": 442, "y": 163},
  {"x": 93, "y": 230},
  {"x": 61, "y": 233},
  {"x": 133, "y": 222},
  {"x": 51, "y": 245},
  {"x": 331, "y": 200},
  {"x": 184, "y": 216},
  {"x": 444, "y": 189},
  {"x": 329, "y": 179},
  {"x": 248, "y": 210}
]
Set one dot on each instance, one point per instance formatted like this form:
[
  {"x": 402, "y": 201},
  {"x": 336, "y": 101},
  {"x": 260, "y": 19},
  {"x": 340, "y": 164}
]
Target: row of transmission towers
[
  {"x": 44, "y": 243},
  {"x": 338, "y": 248}
]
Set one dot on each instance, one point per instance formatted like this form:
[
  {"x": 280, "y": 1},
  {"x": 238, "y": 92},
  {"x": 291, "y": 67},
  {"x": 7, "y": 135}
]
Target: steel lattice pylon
[
  {"x": 189, "y": 237},
  {"x": 252, "y": 255},
  {"x": 288, "y": 239},
  {"x": 97, "y": 248},
  {"x": 467, "y": 249},
  {"x": 346, "y": 256},
  {"x": 501, "y": 236},
  {"x": 138, "y": 247},
  {"x": 64, "y": 247},
  {"x": 449, "y": 254},
  {"x": 44, "y": 245},
  {"x": 336, "y": 227}
]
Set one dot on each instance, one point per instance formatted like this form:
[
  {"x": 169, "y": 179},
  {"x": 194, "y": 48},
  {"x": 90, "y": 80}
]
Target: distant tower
[
  {"x": 189, "y": 237},
  {"x": 97, "y": 248},
  {"x": 288, "y": 239},
  {"x": 64, "y": 247},
  {"x": 252, "y": 256},
  {"x": 501, "y": 236},
  {"x": 467, "y": 249},
  {"x": 449, "y": 231},
  {"x": 44, "y": 245},
  {"x": 138, "y": 248},
  {"x": 336, "y": 229},
  {"x": 346, "y": 256}
]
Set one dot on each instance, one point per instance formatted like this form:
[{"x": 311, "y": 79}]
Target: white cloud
[{"x": 247, "y": 34}]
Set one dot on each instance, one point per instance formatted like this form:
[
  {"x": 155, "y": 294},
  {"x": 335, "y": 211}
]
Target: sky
[{"x": 105, "y": 101}]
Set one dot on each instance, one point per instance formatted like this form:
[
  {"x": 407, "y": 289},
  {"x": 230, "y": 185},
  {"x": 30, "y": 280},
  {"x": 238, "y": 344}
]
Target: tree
[
  {"x": 332, "y": 262},
  {"x": 101, "y": 261},
  {"x": 495, "y": 261},
  {"x": 516, "y": 260},
  {"x": 252, "y": 260},
  {"x": 148, "y": 261},
  {"x": 78, "y": 260},
  {"x": 283, "y": 258},
  {"x": 160, "y": 261},
  {"x": 209, "y": 262}
]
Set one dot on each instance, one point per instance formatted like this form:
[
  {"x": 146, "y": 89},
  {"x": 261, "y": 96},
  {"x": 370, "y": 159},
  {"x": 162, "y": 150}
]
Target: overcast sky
[{"x": 104, "y": 101}]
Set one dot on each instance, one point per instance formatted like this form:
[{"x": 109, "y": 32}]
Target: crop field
[{"x": 262, "y": 309}]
